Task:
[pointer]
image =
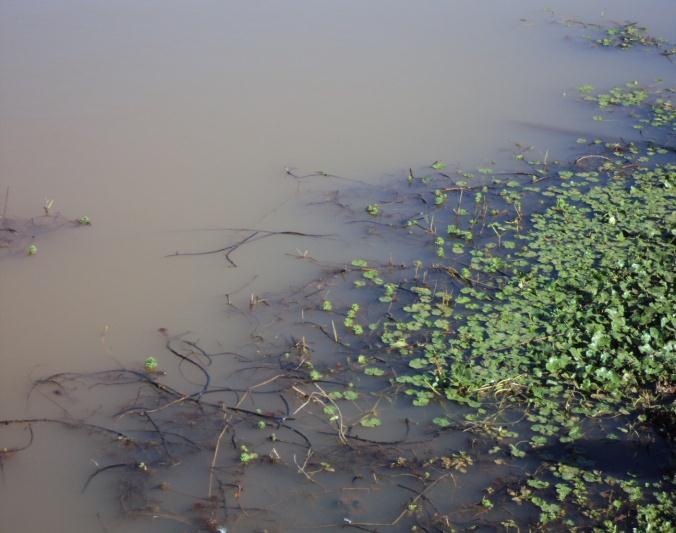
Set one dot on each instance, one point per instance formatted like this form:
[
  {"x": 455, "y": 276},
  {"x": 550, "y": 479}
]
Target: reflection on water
[{"x": 158, "y": 119}]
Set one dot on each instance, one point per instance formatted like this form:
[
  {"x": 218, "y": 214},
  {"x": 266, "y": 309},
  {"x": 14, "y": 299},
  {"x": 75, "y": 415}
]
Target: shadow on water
[{"x": 650, "y": 461}]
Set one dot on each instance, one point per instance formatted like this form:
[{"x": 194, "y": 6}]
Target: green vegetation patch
[
  {"x": 628, "y": 35},
  {"x": 555, "y": 329}
]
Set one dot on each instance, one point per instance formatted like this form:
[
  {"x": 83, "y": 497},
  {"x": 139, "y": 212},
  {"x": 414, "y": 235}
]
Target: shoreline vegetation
[{"x": 530, "y": 345}]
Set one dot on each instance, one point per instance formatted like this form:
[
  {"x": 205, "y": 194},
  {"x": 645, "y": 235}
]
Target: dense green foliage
[
  {"x": 594, "y": 311},
  {"x": 566, "y": 317}
]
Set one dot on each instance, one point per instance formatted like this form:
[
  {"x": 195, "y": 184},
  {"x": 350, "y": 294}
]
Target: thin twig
[{"x": 215, "y": 457}]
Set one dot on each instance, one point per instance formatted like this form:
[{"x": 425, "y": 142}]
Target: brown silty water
[{"x": 165, "y": 122}]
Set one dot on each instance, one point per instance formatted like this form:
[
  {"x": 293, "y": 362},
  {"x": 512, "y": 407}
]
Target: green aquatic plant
[
  {"x": 567, "y": 315},
  {"x": 370, "y": 421},
  {"x": 632, "y": 94},
  {"x": 351, "y": 395},
  {"x": 247, "y": 456},
  {"x": 649, "y": 107},
  {"x": 628, "y": 35},
  {"x": 374, "y": 209},
  {"x": 350, "y": 320}
]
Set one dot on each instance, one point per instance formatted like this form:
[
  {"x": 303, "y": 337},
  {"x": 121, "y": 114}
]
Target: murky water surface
[{"x": 162, "y": 120}]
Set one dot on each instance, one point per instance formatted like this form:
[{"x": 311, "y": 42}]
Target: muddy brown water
[{"x": 164, "y": 121}]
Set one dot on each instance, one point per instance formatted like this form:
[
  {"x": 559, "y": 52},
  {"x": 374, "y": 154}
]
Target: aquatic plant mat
[{"x": 514, "y": 372}]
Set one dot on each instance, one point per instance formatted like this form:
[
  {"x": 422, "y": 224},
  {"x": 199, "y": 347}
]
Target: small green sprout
[
  {"x": 151, "y": 364},
  {"x": 84, "y": 221},
  {"x": 485, "y": 502},
  {"x": 32, "y": 249},
  {"x": 247, "y": 456},
  {"x": 373, "y": 209},
  {"x": 332, "y": 412}
]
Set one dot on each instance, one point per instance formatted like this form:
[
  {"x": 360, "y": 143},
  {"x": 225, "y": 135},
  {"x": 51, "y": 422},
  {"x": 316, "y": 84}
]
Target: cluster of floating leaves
[
  {"x": 649, "y": 107},
  {"x": 631, "y": 35},
  {"x": 628, "y": 35},
  {"x": 559, "y": 331},
  {"x": 620, "y": 35}
]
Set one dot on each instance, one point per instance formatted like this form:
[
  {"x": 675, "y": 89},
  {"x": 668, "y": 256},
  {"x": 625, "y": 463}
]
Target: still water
[{"x": 163, "y": 119}]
